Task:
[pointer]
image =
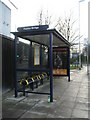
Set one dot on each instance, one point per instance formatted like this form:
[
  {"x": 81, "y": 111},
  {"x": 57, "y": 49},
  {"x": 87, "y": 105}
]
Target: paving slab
[
  {"x": 81, "y": 106},
  {"x": 78, "y": 113},
  {"x": 63, "y": 111},
  {"x": 30, "y": 114},
  {"x": 82, "y": 100},
  {"x": 12, "y": 113},
  {"x": 67, "y": 104}
]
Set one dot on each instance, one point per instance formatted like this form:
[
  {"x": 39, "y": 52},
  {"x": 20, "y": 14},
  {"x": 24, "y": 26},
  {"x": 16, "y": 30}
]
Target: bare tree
[
  {"x": 44, "y": 18},
  {"x": 67, "y": 28},
  {"x": 40, "y": 17},
  {"x": 47, "y": 19}
]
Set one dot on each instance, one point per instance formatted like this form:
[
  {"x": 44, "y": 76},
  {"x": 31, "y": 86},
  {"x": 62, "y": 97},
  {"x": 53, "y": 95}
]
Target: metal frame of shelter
[{"x": 43, "y": 36}]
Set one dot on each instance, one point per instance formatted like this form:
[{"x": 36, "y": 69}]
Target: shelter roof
[{"x": 41, "y": 34}]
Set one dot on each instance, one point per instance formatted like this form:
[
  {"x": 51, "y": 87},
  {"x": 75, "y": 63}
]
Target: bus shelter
[{"x": 58, "y": 53}]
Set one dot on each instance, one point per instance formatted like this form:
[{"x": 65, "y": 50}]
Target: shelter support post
[
  {"x": 68, "y": 64},
  {"x": 15, "y": 52},
  {"x": 51, "y": 67}
]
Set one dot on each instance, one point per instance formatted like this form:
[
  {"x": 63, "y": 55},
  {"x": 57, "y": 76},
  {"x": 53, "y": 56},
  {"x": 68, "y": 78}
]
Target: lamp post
[{"x": 79, "y": 37}]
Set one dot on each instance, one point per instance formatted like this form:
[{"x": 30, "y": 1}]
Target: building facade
[{"x": 5, "y": 19}]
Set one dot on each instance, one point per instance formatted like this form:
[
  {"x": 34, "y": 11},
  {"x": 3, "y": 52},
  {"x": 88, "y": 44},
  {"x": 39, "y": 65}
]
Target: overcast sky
[{"x": 28, "y": 10}]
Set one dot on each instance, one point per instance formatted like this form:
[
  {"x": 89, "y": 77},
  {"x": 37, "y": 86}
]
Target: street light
[{"x": 79, "y": 37}]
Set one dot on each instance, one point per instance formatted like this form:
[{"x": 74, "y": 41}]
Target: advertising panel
[{"x": 60, "y": 60}]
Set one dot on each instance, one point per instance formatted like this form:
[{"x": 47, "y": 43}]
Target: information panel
[{"x": 60, "y": 60}]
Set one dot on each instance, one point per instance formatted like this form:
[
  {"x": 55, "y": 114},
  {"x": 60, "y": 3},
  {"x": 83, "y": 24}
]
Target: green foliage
[{"x": 74, "y": 67}]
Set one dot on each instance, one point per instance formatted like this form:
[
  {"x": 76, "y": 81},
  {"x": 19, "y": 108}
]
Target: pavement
[{"x": 70, "y": 99}]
